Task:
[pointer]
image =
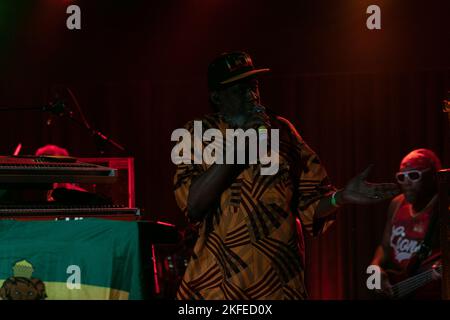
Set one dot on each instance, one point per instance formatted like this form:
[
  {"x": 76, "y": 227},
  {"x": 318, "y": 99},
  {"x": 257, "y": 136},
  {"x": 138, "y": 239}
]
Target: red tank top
[{"x": 408, "y": 233}]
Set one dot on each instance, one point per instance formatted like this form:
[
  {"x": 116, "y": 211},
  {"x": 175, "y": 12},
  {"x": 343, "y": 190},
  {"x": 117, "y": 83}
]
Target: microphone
[
  {"x": 262, "y": 133},
  {"x": 262, "y": 130},
  {"x": 58, "y": 108}
]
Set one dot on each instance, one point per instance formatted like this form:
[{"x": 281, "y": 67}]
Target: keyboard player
[
  {"x": 54, "y": 150},
  {"x": 48, "y": 193}
]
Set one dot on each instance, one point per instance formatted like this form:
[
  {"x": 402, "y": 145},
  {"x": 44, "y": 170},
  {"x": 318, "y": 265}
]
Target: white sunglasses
[{"x": 412, "y": 175}]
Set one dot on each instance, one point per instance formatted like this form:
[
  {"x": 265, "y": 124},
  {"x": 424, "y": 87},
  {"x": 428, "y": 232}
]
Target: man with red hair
[{"x": 56, "y": 151}]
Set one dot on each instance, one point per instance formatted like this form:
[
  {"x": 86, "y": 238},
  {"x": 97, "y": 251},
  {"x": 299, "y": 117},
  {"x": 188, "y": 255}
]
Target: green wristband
[{"x": 333, "y": 200}]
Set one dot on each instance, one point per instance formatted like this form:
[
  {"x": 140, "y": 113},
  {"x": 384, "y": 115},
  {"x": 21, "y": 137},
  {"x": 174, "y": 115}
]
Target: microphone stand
[{"x": 95, "y": 133}]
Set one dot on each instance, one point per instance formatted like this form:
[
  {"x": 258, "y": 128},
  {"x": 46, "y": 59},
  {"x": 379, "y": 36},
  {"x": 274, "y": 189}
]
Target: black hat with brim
[{"x": 231, "y": 67}]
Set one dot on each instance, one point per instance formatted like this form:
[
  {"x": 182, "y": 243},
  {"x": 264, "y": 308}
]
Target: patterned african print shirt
[{"x": 249, "y": 245}]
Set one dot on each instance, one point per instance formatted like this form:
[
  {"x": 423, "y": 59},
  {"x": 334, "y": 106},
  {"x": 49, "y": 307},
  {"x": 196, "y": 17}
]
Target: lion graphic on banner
[{"x": 21, "y": 286}]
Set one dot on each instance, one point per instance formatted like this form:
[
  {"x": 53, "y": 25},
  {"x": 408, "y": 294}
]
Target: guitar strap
[{"x": 427, "y": 245}]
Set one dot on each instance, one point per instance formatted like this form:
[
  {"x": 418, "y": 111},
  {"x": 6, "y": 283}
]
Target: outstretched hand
[{"x": 359, "y": 191}]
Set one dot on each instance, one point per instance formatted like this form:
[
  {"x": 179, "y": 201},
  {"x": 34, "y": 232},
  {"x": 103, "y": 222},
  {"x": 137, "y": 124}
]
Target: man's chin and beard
[
  {"x": 419, "y": 195},
  {"x": 410, "y": 196},
  {"x": 238, "y": 118}
]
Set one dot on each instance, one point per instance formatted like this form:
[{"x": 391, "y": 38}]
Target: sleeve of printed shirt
[
  {"x": 185, "y": 174},
  {"x": 312, "y": 184}
]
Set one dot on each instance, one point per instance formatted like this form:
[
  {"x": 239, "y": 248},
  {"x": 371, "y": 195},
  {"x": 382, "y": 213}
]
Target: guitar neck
[{"x": 405, "y": 287}]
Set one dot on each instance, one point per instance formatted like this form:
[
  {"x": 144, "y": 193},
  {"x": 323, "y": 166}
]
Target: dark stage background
[{"x": 138, "y": 70}]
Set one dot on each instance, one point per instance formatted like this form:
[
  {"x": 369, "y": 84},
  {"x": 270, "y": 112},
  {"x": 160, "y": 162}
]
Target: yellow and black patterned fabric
[{"x": 250, "y": 246}]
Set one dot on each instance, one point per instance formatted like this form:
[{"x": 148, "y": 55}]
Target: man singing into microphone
[{"x": 250, "y": 245}]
